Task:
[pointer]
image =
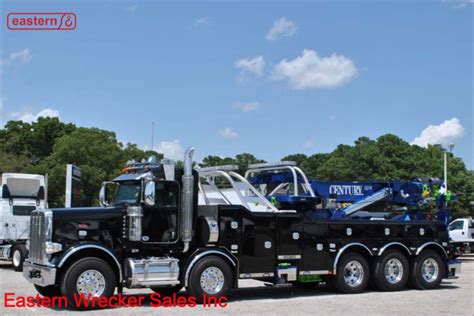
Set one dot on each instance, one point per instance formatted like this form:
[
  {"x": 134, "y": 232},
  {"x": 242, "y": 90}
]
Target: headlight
[
  {"x": 52, "y": 247},
  {"x": 27, "y": 245}
]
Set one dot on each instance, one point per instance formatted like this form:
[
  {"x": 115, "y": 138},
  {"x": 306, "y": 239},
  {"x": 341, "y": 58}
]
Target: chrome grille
[{"x": 41, "y": 226}]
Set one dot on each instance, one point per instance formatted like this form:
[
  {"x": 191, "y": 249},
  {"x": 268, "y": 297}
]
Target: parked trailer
[
  {"x": 152, "y": 232},
  {"x": 20, "y": 195}
]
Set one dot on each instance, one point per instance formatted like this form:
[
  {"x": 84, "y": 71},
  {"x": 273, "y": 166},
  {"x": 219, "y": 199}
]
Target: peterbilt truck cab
[{"x": 161, "y": 227}]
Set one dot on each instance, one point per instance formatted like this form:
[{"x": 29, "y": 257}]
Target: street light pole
[
  {"x": 451, "y": 146},
  {"x": 152, "y": 133}
]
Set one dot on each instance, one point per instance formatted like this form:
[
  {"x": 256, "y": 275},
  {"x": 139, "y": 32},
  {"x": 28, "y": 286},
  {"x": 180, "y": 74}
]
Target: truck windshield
[
  {"x": 23, "y": 210},
  {"x": 128, "y": 193}
]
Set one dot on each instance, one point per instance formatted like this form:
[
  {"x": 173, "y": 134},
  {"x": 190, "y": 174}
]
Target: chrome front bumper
[
  {"x": 454, "y": 268},
  {"x": 39, "y": 274}
]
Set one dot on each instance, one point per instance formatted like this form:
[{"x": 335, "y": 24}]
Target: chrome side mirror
[
  {"x": 5, "y": 192},
  {"x": 107, "y": 193},
  {"x": 103, "y": 195},
  {"x": 149, "y": 196}
]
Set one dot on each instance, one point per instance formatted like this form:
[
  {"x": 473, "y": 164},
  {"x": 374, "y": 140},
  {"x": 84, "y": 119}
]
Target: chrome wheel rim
[
  {"x": 430, "y": 270},
  {"x": 16, "y": 258},
  {"x": 393, "y": 271},
  {"x": 212, "y": 280},
  {"x": 353, "y": 273},
  {"x": 91, "y": 282}
]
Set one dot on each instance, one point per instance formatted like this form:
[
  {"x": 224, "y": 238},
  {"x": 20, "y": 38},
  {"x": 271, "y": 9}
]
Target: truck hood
[
  {"x": 86, "y": 213},
  {"x": 101, "y": 225}
]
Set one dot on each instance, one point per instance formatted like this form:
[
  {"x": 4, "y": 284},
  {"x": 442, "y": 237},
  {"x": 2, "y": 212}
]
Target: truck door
[
  {"x": 456, "y": 230},
  {"x": 7, "y": 220},
  {"x": 160, "y": 222}
]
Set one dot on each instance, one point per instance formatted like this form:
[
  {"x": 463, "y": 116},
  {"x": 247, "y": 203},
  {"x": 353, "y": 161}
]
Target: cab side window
[
  {"x": 166, "y": 194},
  {"x": 456, "y": 225}
]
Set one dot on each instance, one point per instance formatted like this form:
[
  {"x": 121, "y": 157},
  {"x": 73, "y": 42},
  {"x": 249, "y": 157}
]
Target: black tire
[
  {"x": 416, "y": 277},
  {"x": 19, "y": 254},
  {"x": 397, "y": 260},
  {"x": 71, "y": 276},
  {"x": 194, "y": 284},
  {"x": 167, "y": 290},
  {"x": 48, "y": 291},
  {"x": 356, "y": 264}
]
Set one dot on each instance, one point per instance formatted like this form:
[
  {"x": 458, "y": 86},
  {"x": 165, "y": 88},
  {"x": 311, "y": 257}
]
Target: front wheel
[
  {"x": 88, "y": 276},
  {"x": 352, "y": 274},
  {"x": 211, "y": 276},
  {"x": 19, "y": 254},
  {"x": 427, "y": 270}
]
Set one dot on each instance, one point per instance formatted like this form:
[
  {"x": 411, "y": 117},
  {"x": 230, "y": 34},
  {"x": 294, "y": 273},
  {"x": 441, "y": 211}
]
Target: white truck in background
[
  {"x": 461, "y": 234},
  {"x": 20, "y": 194}
]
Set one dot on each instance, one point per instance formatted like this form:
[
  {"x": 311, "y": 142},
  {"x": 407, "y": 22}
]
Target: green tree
[
  {"x": 298, "y": 158},
  {"x": 95, "y": 151},
  {"x": 212, "y": 160},
  {"x": 13, "y": 163},
  {"x": 132, "y": 152},
  {"x": 34, "y": 140},
  {"x": 244, "y": 160}
]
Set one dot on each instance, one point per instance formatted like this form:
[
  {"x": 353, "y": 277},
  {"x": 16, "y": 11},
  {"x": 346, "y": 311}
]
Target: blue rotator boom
[{"x": 357, "y": 206}]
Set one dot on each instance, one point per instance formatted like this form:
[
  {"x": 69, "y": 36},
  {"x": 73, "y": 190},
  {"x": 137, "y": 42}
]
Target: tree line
[{"x": 47, "y": 145}]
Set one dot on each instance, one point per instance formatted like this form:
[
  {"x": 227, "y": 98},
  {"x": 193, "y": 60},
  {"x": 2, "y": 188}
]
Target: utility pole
[{"x": 152, "y": 133}]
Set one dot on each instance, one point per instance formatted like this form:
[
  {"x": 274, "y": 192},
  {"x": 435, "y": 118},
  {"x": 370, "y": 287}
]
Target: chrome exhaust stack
[{"x": 187, "y": 199}]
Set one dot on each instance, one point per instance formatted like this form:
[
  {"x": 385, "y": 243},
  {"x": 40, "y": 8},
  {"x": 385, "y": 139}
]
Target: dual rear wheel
[{"x": 390, "y": 272}]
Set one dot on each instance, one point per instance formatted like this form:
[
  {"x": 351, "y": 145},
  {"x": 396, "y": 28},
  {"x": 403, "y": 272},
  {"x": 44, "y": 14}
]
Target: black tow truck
[{"x": 165, "y": 228}]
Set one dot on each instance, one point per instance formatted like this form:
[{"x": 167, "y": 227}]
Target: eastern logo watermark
[{"x": 41, "y": 21}]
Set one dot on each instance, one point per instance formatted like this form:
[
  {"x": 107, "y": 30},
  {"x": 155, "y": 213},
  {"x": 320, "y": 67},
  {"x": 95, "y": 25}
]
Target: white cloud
[
  {"x": 309, "y": 144},
  {"x": 228, "y": 133},
  {"x": 310, "y": 71},
  {"x": 202, "y": 21},
  {"x": 247, "y": 107},
  {"x": 444, "y": 133},
  {"x": 254, "y": 66},
  {"x": 459, "y": 4},
  {"x": 22, "y": 56},
  {"x": 132, "y": 8},
  {"x": 281, "y": 28},
  {"x": 171, "y": 149},
  {"x": 29, "y": 117}
]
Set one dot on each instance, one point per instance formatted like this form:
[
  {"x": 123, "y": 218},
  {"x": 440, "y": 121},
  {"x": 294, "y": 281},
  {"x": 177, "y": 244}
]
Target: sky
[{"x": 269, "y": 78}]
